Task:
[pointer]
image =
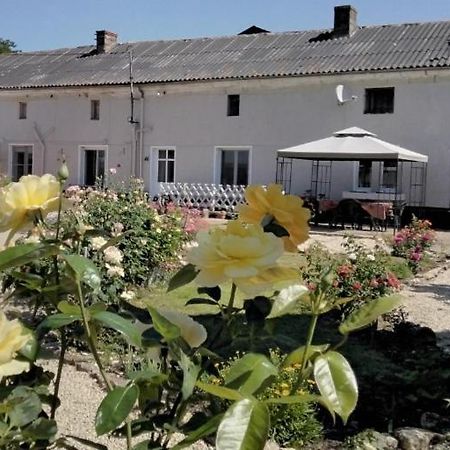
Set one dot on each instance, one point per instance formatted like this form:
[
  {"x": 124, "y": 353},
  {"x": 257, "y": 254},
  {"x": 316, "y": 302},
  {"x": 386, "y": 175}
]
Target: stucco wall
[{"x": 273, "y": 114}]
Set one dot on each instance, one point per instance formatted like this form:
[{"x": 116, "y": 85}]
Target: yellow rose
[
  {"x": 286, "y": 210},
  {"x": 241, "y": 253},
  {"x": 21, "y": 201},
  {"x": 12, "y": 339}
]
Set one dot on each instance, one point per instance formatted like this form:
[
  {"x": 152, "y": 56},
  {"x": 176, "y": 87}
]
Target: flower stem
[
  {"x": 231, "y": 302},
  {"x": 58, "y": 220},
  {"x": 93, "y": 348},
  {"x": 309, "y": 338},
  {"x": 59, "y": 374},
  {"x": 8, "y": 240},
  {"x": 90, "y": 339}
]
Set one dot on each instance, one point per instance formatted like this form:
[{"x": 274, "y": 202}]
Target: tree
[{"x": 7, "y": 46}]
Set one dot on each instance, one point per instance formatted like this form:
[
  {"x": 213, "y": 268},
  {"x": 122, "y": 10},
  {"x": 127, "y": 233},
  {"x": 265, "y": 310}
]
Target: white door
[{"x": 162, "y": 167}]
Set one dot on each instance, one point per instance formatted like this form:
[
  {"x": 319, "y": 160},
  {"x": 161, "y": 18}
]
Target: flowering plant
[
  {"x": 362, "y": 274},
  {"x": 161, "y": 390},
  {"x": 412, "y": 241}
]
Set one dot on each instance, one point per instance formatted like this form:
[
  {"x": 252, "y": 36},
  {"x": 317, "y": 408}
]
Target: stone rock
[
  {"x": 415, "y": 438},
  {"x": 373, "y": 440},
  {"x": 441, "y": 446}
]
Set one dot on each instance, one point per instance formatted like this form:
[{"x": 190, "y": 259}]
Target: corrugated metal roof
[{"x": 374, "y": 48}]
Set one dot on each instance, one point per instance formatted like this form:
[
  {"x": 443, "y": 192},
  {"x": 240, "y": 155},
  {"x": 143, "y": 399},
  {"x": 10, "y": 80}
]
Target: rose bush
[
  {"x": 412, "y": 241},
  {"x": 165, "y": 387}
]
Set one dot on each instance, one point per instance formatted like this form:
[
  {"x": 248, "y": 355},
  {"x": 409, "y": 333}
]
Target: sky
[{"x": 49, "y": 24}]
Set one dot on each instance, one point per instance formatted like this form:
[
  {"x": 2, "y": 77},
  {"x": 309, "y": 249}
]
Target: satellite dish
[{"x": 340, "y": 95}]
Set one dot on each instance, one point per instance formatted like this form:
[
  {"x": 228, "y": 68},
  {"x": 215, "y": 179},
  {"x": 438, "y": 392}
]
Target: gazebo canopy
[{"x": 351, "y": 144}]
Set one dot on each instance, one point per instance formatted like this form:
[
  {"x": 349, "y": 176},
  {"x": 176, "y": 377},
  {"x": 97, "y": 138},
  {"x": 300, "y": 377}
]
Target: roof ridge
[{"x": 231, "y": 36}]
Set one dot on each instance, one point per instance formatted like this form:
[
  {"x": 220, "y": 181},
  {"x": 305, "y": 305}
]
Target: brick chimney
[
  {"x": 106, "y": 41},
  {"x": 344, "y": 20}
]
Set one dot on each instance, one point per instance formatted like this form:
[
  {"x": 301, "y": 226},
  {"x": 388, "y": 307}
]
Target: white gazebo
[{"x": 356, "y": 144}]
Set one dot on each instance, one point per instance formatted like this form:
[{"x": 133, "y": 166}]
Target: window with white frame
[
  {"x": 21, "y": 161},
  {"x": 234, "y": 166},
  {"x": 93, "y": 163},
  {"x": 389, "y": 182},
  {"x": 166, "y": 165}
]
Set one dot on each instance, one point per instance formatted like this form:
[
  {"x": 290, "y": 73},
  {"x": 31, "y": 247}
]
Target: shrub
[
  {"x": 359, "y": 274},
  {"x": 363, "y": 275},
  {"x": 145, "y": 241},
  {"x": 412, "y": 241}
]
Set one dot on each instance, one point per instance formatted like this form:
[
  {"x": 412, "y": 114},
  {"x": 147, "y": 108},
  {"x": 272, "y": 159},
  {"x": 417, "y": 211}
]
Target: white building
[{"x": 215, "y": 110}]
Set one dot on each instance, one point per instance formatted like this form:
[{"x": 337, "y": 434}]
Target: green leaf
[
  {"x": 368, "y": 313},
  {"x": 184, "y": 276},
  {"x": 69, "y": 308},
  {"x": 40, "y": 429},
  {"x": 296, "y": 356},
  {"x": 30, "y": 349},
  {"x": 190, "y": 375},
  {"x": 337, "y": 383},
  {"x": 118, "y": 323},
  {"x": 26, "y": 406},
  {"x": 83, "y": 270},
  {"x": 204, "y": 430},
  {"x": 20, "y": 255},
  {"x": 220, "y": 391},
  {"x": 245, "y": 426},
  {"x": 57, "y": 321},
  {"x": 148, "y": 375},
  {"x": 214, "y": 292},
  {"x": 248, "y": 373},
  {"x": 115, "y": 407},
  {"x": 287, "y": 300},
  {"x": 201, "y": 301},
  {"x": 165, "y": 328}
]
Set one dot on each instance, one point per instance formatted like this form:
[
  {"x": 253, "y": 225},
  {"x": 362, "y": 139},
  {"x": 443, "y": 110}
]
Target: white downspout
[{"x": 141, "y": 133}]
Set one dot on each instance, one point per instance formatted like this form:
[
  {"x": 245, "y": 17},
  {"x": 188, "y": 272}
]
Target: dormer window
[
  {"x": 95, "y": 109},
  {"x": 22, "y": 110}
]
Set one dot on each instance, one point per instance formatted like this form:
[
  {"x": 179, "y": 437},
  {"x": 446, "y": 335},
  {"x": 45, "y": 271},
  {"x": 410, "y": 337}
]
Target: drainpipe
[
  {"x": 43, "y": 146},
  {"x": 141, "y": 132},
  {"x": 133, "y": 150}
]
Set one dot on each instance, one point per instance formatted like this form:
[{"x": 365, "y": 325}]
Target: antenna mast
[{"x": 131, "y": 118}]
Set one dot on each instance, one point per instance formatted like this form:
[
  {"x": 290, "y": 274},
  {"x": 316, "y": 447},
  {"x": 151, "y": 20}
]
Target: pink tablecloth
[{"x": 377, "y": 210}]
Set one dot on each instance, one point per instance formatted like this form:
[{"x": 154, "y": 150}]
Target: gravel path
[{"x": 80, "y": 396}]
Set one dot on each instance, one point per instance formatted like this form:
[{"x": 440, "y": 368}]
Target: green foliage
[
  {"x": 7, "y": 46},
  {"x": 149, "y": 240},
  {"x": 115, "y": 407},
  {"x": 86, "y": 260},
  {"x": 22, "y": 416},
  {"x": 245, "y": 426},
  {"x": 337, "y": 383}
]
